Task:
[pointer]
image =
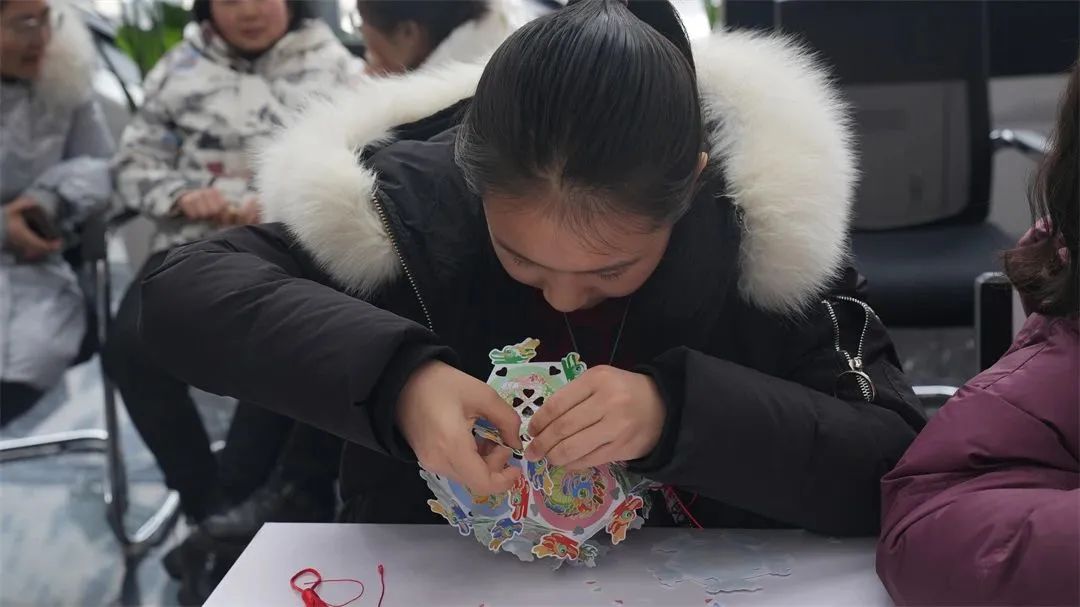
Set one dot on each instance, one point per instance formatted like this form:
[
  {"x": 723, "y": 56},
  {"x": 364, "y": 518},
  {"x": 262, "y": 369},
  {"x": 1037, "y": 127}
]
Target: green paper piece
[{"x": 516, "y": 354}]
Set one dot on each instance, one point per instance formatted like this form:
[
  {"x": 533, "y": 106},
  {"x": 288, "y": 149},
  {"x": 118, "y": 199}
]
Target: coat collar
[
  {"x": 70, "y": 61},
  {"x": 781, "y": 139}
]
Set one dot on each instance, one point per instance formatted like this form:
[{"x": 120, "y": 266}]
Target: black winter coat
[{"x": 382, "y": 262}]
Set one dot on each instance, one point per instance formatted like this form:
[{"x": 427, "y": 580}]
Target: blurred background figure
[
  {"x": 53, "y": 175},
  {"x": 399, "y": 36},
  {"x": 402, "y": 36},
  {"x": 184, "y": 163}
]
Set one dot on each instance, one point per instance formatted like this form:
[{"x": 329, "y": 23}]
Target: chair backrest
[{"x": 915, "y": 72}]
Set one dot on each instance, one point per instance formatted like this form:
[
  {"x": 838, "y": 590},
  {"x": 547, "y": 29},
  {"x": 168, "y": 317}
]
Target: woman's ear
[
  {"x": 702, "y": 162},
  {"x": 412, "y": 39}
]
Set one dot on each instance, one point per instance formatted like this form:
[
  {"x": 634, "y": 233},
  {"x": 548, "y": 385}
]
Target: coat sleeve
[
  {"x": 248, "y": 314},
  {"x": 971, "y": 517},
  {"x": 78, "y": 186},
  {"x": 147, "y": 167},
  {"x": 781, "y": 445},
  {"x": 89, "y": 135}
]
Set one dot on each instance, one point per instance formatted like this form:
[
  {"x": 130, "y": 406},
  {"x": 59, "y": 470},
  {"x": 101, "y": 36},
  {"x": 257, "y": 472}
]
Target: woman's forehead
[{"x": 548, "y": 239}]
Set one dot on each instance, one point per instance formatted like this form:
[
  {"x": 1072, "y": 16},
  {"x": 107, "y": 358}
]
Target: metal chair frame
[{"x": 105, "y": 441}]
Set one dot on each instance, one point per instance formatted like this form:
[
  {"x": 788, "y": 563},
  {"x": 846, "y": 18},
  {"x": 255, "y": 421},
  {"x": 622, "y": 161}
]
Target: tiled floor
[{"x": 55, "y": 546}]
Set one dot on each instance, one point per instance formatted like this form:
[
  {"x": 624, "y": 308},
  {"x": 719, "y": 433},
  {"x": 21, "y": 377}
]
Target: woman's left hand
[{"x": 606, "y": 415}]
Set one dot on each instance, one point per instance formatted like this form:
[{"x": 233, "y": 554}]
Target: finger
[
  {"x": 602, "y": 456},
  {"x": 489, "y": 405},
  {"x": 23, "y": 203},
  {"x": 581, "y": 444},
  {"x": 215, "y": 203},
  {"x": 568, "y": 424},
  {"x": 472, "y": 471},
  {"x": 202, "y": 207},
  {"x": 563, "y": 400},
  {"x": 484, "y": 447},
  {"x": 31, "y": 242},
  {"x": 497, "y": 458},
  {"x": 256, "y": 212}
]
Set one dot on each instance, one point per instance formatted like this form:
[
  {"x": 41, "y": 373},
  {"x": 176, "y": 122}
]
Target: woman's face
[
  {"x": 394, "y": 52},
  {"x": 574, "y": 270},
  {"x": 250, "y": 26},
  {"x": 26, "y": 30}
]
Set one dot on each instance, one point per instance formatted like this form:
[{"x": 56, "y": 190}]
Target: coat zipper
[
  {"x": 855, "y": 363},
  {"x": 401, "y": 258}
]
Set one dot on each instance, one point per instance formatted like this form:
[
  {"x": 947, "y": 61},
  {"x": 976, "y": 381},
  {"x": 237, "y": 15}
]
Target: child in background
[{"x": 985, "y": 506}]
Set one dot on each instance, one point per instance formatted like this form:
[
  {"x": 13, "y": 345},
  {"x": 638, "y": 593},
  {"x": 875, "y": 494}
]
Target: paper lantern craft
[{"x": 551, "y": 512}]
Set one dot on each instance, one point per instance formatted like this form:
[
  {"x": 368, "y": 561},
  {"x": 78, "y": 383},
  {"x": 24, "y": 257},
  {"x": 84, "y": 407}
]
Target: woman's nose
[{"x": 564, "y": 296}]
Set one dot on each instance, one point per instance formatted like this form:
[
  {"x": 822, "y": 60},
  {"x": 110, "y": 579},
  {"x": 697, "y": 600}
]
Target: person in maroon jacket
[{"x": 985, "y": 506}]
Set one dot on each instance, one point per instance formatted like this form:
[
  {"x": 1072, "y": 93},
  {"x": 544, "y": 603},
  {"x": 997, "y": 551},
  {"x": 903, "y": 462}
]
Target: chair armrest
[
  {"x": 933, "y": 398},
  {"x": 94, "y": 238},
  {"x": 1026, "y": 142},
  {"x": 993, "y": 317}
]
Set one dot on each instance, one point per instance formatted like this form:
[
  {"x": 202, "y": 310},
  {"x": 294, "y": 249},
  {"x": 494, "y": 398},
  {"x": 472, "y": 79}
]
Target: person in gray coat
[{"x": 54, "y": 174}]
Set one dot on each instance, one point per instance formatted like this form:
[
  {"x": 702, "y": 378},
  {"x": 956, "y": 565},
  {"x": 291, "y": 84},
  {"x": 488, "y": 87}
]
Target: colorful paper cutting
[{"x": 550, "y": 512}]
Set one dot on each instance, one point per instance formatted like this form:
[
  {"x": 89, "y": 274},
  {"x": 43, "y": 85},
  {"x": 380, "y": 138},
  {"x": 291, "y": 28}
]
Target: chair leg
[
  {"x": 32, "y": 447},
  {"x": 152, "y": 531},
  {"x": 157, "y": 526}
]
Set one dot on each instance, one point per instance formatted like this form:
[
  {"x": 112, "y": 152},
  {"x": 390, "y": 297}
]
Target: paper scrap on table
[{"x": 687, "y": 558}]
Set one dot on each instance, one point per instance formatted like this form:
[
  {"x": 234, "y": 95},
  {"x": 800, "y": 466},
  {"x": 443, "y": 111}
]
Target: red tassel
[{"x": 310, "y": 595}]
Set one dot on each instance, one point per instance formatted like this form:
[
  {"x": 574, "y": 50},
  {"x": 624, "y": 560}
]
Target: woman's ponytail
[
  {"x": 597, "y": 101},
  {"x": 663, "y": 18}
]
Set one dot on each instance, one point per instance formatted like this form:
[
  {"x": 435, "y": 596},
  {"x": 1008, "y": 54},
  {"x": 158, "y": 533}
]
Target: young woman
[
  {"x": 985, "y": 506},
  {"x": 184, "y": 163},
  {"x": 680, "y": 229},
  {"x": 53, "y": 175},
  {"x": 402, "y": 36}
]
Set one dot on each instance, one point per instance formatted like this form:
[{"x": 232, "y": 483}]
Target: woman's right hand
[
  {"x": 436, "y": 412},
  {"x": 20, "y": 237},
  {"x": 205, "y": 204}
]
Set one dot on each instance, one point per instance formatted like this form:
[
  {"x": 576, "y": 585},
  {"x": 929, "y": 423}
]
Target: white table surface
[{"x": 428, "y": 565}]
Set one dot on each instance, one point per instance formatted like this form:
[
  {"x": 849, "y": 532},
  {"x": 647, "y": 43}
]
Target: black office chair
[
  {"x": 91, "y": 260},
  {"x": 916, "y": 75}
]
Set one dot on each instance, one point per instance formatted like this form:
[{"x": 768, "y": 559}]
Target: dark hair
[
  {"x": 600, "y": 100},
  {"x": 299, "y": 10},
  {"x": 1046, "y": 278},
  {"x": 438, "y": 17}
]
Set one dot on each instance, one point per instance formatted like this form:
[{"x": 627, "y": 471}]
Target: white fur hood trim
[
  {"x": 67, "y": 74},
  {"x": 784, "y": 142},
  {"x": 781, "y": 137}
]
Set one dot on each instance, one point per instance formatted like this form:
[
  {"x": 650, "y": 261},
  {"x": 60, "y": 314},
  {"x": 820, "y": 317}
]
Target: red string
[
  {"x": 382, "y": 584},
  {"x": 310, "y": 595},
  {"x": 678, "y": 500}
]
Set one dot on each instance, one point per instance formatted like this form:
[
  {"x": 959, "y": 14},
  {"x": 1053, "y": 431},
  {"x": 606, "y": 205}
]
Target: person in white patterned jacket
[{"x": 184, "y": 163}]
